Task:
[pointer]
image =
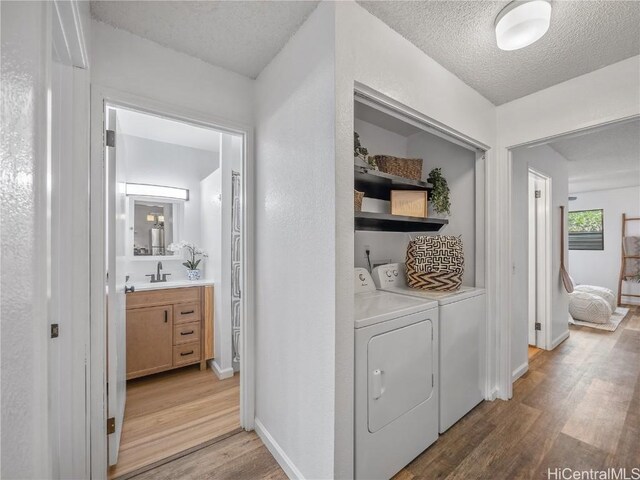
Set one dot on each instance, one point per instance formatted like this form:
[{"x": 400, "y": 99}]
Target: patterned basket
[
  {"x": 410, "y": 168},
  {"x": 357, "y": 200},
  {"x": 435, "y": 263}
]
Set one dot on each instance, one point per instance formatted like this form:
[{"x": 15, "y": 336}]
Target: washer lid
[
  {"x": 379, "y": 306},
  {"x": 443, "y": 298}
]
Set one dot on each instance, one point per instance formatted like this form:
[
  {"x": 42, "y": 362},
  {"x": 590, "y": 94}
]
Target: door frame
[
  {"x": 542, "y": 340},
  {"x": 97, "y": 409},
  {"x": 500, "y": 210}
]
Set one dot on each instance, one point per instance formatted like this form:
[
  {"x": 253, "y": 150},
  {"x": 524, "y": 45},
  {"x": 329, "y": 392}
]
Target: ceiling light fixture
[{"x": 521, "y": 23}]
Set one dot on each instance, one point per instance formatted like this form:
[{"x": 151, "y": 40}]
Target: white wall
[
  {"x": 131, "y": 64},
  {"x": 379, "y": 141},
  {"x": 602, "y": 267},
  {"x": 374, "y": 55},
  {"x": 604, "y": 95},
  {"x": 295, "y": 249},
  {"x": 158, "y": 163},
  {"x": 26, "y": 51},
  {"x": 548, "y": 162}
]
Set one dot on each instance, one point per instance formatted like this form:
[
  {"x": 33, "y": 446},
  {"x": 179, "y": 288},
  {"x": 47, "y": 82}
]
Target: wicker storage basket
[
  {"x": 410, "y": 168},
  {"x": 435, "y": 263},
  {"x": 357, "y": 200}
]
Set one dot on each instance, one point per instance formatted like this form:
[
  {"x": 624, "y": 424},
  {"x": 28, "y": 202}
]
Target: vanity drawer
[
  {"x": 186, "y": 312},
  {"x": 185, "y": 354},
  {"x": 186, "y": 333}
]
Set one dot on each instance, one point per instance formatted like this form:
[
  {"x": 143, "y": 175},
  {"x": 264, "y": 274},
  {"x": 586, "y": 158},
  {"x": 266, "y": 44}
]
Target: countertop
[{"x": 144, "y": 286}]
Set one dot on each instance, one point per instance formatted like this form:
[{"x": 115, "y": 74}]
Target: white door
[
  {"x": 539, "y": 256},
  {"x": 116, "y": 303},
  {"x": 400, "y": 366}
]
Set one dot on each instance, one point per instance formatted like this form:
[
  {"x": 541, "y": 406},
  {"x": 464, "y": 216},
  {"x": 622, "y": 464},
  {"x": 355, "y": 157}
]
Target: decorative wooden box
[{"x": 410, "y": 203}]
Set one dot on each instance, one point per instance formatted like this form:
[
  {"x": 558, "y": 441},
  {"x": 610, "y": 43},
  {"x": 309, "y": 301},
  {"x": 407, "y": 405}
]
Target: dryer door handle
[{"x": 376, "y": 384}]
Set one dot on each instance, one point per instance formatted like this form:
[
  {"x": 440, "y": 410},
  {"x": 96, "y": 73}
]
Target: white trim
[
  {"x": 561, "y": 338},
  {"x": 521, "y": 370},
  {"x": 221, "y": 373},
  {"x": 278, "y": 453},
  {"x": 96, "y": 412},
  {"x": 492, "y": 395},
  {"x": 499, "y": 221}
]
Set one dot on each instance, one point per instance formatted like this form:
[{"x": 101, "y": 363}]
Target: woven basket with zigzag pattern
[{"x": 435, "y": 263}]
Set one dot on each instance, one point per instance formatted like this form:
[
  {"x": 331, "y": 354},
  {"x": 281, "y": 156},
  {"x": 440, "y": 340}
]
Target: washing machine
[
  {"x": 462, "y": 320},
  {"x": 396, "y": 378}
]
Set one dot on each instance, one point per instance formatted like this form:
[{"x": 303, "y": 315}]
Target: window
[{"x": 586, "y": 230}]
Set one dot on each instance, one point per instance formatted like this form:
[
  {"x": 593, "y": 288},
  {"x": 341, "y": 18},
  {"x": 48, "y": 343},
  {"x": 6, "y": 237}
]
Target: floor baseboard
[
  {"x": 221, "y": 373},
  {"x": 281, "y": 457},
  {"x": 518, "y": 372}
]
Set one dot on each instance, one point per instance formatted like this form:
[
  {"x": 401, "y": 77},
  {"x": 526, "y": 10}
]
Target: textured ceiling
[
  {"x": 584, "y": 36},
  {"x": 602, "y": 159},
  {"x": 240, "y": 36}
]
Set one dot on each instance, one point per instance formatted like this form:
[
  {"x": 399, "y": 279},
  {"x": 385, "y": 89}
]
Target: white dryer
[
  {"x": 396, "y": 375},
  {"x": 462, "y": 319}
]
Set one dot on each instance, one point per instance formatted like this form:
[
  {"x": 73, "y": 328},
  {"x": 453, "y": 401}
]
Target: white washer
[
  {"x": 396, "y": 375},
  {"x": 462, "y": 318}
]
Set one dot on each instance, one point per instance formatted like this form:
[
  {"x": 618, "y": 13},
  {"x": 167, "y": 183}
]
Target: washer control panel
[
  {"x": 363, "y": 281},
  {"x": 389, "y": 275}
]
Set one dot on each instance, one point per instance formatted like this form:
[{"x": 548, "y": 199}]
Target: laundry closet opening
[
  {"x": 174, "y": 262},
  {"x": 420, "y": 306}
]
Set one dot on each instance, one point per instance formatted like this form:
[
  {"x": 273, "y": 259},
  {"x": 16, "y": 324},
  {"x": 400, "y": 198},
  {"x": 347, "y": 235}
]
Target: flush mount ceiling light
[
  {"x": 521, "y": 23},
  {"x": 157, "y": 191}
]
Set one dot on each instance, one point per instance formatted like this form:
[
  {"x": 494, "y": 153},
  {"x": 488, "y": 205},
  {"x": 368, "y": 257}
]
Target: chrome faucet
[{"x": 158, "y": 277}]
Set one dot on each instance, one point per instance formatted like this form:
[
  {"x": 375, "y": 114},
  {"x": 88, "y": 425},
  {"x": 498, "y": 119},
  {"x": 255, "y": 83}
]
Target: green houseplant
[
  {"x": 361, "y": 153},
  {"x": 440, "y": 193}
]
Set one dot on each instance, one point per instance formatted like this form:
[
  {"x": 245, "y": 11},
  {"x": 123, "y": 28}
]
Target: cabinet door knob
[
  {"x": 190, "y": 332},
  {"x": 166, "y": 316},
  {"x": 187, "y": 313},
  {"x": 184, "y": 354}
]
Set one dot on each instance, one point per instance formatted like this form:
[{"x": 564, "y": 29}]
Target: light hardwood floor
[
  {"x": 578, "y": 407},
  {"x": 169, "y": 413}
]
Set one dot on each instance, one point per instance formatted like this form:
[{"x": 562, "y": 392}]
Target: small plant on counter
[
  {"x": 440, "y": 193},
  {"x": 192, "y": 252}
]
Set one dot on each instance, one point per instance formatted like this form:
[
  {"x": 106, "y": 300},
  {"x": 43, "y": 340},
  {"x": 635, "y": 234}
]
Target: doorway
[
  {"x": 539, "y": 255},
  {"x": 173, "y": 256}
]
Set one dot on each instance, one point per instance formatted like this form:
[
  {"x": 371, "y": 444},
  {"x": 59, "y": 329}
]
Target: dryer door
[{"x": 400, "y": 365}]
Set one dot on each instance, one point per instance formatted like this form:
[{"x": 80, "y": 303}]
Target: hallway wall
[{"x": 547, "y": 161}]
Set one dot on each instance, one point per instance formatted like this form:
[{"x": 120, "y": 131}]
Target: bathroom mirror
[{"x": 153, "y": 226}]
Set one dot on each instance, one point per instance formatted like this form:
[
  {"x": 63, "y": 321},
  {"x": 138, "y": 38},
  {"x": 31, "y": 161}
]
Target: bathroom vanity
[{"x": 168, "y": 327}]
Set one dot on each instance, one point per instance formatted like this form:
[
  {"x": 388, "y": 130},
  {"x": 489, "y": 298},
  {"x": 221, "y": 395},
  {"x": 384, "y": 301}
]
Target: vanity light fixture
[
  {"x": 522, "y": 23},
  {"x": 157, "y": 191}
]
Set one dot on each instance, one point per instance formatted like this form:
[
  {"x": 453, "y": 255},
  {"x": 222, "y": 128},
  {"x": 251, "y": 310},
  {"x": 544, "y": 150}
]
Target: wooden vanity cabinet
[{"x": 166, "y": 329}]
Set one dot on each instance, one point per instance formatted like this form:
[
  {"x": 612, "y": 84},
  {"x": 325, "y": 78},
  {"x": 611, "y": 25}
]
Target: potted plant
[
  {"x": 193, "y": 252},
  {"x": 439, "y": 200},
  {"x": 361, "y": 154}
]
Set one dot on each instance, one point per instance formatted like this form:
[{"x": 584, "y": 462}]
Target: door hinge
[
  {"x": 111, "y": 138},
  {"x": 111, "y": 425},
  {"x": 538, "y": 193},
  {"x": 55, "y": 330},
  {"x": 538, "y": 326}
]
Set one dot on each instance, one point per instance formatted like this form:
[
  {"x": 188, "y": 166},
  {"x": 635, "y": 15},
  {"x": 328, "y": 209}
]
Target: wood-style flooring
[
  {"x": 533, "y": 351},
  {"x": 577, "y": 407},
  {"x": 169, "y": 413}
]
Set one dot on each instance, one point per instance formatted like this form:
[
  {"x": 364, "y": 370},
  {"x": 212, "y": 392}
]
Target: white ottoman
[
  {"x": 604, "y": 293},
  {"x": 588, "y": 307}
]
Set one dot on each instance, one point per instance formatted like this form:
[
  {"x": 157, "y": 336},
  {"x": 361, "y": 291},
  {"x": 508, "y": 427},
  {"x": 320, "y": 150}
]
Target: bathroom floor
[{"x": 170, "y": 413}]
